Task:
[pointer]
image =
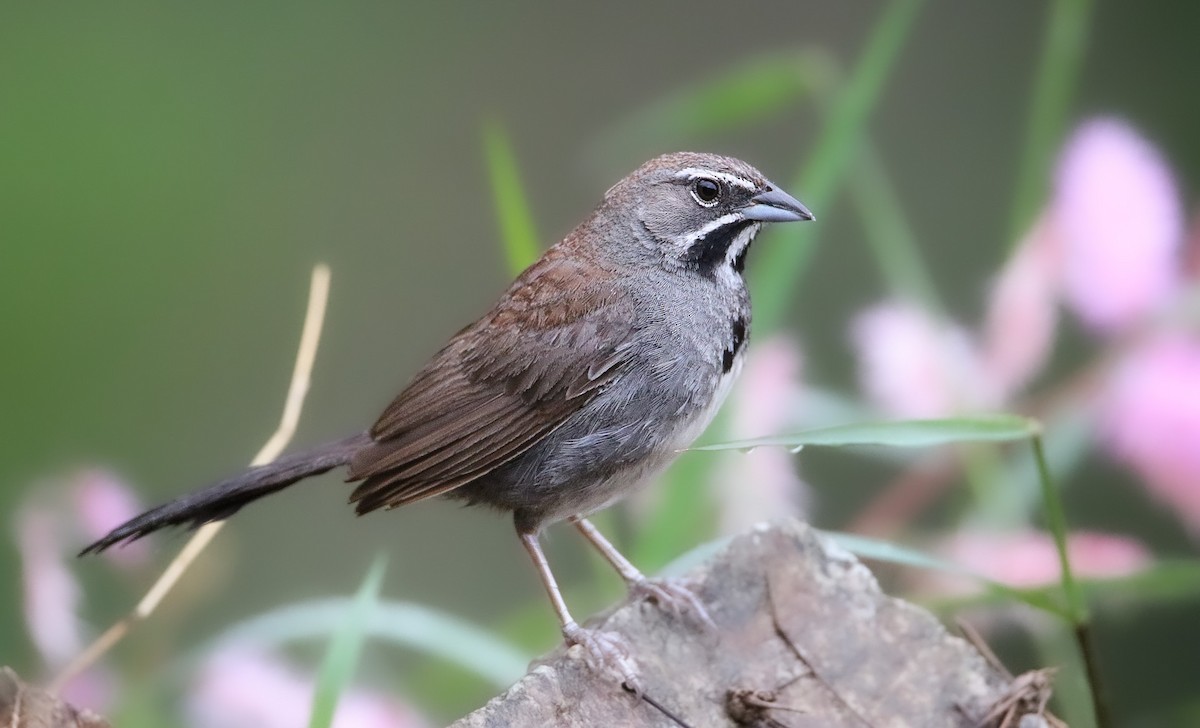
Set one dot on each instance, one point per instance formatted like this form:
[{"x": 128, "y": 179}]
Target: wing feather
[{"x": 500, "y": 386}]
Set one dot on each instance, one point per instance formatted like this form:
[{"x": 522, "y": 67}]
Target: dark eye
[{"x": 706, "y": 191}]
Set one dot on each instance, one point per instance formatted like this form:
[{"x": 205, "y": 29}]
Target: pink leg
[
  {"x": 669, "y": 594},
  {"x": 604, "y": 650}
]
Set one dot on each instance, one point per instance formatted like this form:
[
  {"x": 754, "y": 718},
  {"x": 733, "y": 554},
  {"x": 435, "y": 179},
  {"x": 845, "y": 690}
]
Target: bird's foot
[
  {"x": 674, "y": 597},
  {"x": 605, "y": 652}
]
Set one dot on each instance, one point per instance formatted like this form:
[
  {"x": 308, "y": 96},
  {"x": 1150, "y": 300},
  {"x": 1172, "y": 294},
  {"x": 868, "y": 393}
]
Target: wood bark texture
[
  {"x": 27, "y": 706},
  {"x": 804, "y": 638}
]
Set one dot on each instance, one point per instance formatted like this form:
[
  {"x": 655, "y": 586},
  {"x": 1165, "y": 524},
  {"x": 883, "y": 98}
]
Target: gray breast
[{"x": 687, "y": 350}]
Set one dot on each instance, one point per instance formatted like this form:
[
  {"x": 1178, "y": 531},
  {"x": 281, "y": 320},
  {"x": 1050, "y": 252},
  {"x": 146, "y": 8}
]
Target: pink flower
[
  {"x": 48, "y": 531},
  {"x": 246, "y": 687},
  {"x": 1151, "y": 416},
  {"x": 1118, "y": 211},
  {"x": 103, "y": 502},
  {"x": 761, "y": 485},
  {"x": 1030, "y": 559},
  {"x": 1022, "y": 313},
  {"x": 51, "y": 592},
  {"x": 915, "y": 366},
  {"x": 51, "y": 600}
]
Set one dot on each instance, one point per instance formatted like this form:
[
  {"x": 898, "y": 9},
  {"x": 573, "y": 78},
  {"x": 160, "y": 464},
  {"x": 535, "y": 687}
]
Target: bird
[{"x": 602, "y": 361}]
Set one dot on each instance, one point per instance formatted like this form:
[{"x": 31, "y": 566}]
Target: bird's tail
[{"x": 220, "y": 501}]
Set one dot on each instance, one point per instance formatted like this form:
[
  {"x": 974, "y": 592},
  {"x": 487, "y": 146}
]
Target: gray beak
[{"x": 775, "y": 205}]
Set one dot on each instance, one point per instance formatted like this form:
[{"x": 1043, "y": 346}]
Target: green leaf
[
  {"x": 341, "y": 660},
  {"x": 750, "y": 92},
  {"x": 685, "y": 508},
  {"x": 404, "y": 624},
  {"x": 512, "y": 209},
  {"x": 910, "y": 433}
]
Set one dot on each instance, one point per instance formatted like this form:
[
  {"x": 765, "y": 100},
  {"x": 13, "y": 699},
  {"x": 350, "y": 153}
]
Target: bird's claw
[
  {"x": 605, "y": 652},
  {"x": 673, "y": 596}
]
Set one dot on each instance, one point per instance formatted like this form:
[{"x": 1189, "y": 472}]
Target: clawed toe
[
  {"x": 674, "y": 597},
  {"x": 605, "y": 652}
]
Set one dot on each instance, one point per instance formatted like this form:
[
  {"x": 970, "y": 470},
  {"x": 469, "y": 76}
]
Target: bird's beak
[{"x": 775, "y": 205}]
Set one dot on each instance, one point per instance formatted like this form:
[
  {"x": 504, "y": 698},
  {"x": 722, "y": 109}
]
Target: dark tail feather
[{"x": 220, "y": 501}]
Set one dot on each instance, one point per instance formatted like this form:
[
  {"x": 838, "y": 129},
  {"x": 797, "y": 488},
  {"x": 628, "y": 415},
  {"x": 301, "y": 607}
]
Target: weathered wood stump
[{"x": 804, "y": 637}]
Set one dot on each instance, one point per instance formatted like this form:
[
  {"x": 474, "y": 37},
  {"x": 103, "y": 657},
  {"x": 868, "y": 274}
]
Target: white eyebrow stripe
[
  {"x": 733, "y": 179},
  {"x": 717, "y": 224}
]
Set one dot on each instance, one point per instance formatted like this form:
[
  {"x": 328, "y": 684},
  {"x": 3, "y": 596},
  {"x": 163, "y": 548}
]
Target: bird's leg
[
  {"x": 604, "y": 650},
  {"x": 668, "y": 593}
]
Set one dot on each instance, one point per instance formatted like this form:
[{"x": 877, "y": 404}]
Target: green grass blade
[
  {"x": 888, "y": 233},
  {"x": 1068, "y": 435},
  {"x": 337, "y": 669},
  {"x": 1164, "y": 582},
  {"x": 887, "y": 552},
  {"x": 1077, "y": 609},
  {"x": 783, "y": 262},
  {"x": 910, "y": 433},
  {"x": 685, "y": 508},
  {"x": 748, "y": 93},
  {"x": 1054, "y": 645},
  {"x": 1063, "y": 48},
  {"x": 877, "y": 550},
  {"x": 1056, "y": 521},
  {"x": 512, "y": 207},
  {"x": 411, "y": 626}
]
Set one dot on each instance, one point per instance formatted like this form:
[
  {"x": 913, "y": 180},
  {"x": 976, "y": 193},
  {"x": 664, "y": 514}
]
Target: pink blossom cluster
[
  {"x": 62, "y": 517},
  {"x": 235, "y": 685},
  {"x": 1110, "y": 247},
  {"x": 1028, "y": 558}
]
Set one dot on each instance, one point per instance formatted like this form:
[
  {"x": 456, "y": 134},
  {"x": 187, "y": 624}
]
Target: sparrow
[{"x": 598, "y": 365}]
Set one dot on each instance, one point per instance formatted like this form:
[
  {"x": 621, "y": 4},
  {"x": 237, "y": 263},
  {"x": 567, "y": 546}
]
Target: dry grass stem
[{"x": 314, "y": 318}]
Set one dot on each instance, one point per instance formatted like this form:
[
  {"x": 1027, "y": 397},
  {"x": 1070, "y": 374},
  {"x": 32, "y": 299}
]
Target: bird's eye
[{"x": 706, "y": 191}]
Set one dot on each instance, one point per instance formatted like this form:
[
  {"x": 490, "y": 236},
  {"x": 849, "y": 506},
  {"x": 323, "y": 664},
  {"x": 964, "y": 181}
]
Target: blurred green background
[{"x": 170, "y": 173}]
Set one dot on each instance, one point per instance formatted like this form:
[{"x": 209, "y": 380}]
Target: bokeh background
[{"x": 169, "y": 175}]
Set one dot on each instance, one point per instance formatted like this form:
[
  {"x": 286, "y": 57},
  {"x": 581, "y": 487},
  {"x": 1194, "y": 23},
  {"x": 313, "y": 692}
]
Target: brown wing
[{"x": 498, "y": 387}]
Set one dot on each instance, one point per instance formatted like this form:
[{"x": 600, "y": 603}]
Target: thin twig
[
  {"x": 1027, "y": 694},
  {"x": 314, "y": 317},
  {"x": 656, "y": 705}
]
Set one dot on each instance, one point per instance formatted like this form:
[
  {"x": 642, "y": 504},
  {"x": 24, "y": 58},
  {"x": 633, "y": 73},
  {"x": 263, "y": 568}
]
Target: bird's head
[{"x": 701, "y": 211}]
